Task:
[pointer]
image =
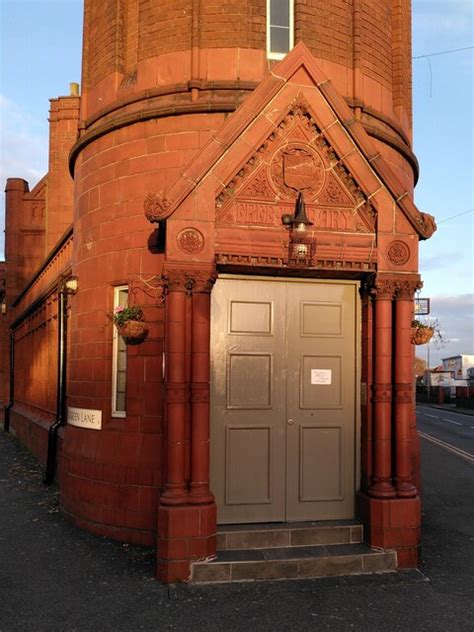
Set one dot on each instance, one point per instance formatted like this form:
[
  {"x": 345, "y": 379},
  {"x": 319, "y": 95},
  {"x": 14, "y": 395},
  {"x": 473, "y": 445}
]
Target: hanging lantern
[{"x": 301, "y": 245}]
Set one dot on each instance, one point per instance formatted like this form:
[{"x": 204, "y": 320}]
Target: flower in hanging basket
[
  {"x": 420, "y": 333},
  {"x": 130, "y": 323}
]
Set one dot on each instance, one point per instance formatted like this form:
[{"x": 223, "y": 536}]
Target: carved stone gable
[{"x": 295, "y": 157}]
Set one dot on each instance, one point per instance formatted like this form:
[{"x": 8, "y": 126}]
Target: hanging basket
[
  {"x": 421, "y": 335},
  {"x": 133, "y": 331}
]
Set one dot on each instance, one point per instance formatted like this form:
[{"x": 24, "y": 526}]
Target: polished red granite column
[
  {"x": 200, "y": 377},
  {"x": 382, "y": 486},
  {"x": 403, "y": 383},
  {"x": 175, "y": 492}
]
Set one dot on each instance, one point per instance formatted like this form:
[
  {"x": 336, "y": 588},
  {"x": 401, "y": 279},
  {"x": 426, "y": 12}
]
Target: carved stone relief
[
  {"x": 295, "y": 168},
  {"x": 398, "y": 252},
  {"x": 190, "y": 240},
  {"x": 155, "y": 207},
  {"x": 295, "y": 157}
]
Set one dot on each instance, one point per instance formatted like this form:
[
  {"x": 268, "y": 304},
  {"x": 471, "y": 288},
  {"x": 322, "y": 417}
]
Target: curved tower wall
[{"x": 158, "y": 80}]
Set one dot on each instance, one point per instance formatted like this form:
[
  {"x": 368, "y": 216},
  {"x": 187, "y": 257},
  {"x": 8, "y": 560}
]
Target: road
[
  {"x": 449, "y": 429},
  {"x": 55, "y": 577}
]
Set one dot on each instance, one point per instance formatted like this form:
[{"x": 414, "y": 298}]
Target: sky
[{"x": 40, "y": 55}]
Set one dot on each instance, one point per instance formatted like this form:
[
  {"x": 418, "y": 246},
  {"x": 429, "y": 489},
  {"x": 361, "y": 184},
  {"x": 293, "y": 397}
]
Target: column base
[
  {"x": 200, "y": 494},
  {"x": 405, "y": 489},
  {"x": 382, "y": 489},
  {"x": 392, "y": 523},
  {"x": 174, "y": 496},
  {"x": 185, "y": 534}
]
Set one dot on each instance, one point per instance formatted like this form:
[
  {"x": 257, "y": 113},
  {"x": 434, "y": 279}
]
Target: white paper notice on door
[{"x": 321, "y": 376}]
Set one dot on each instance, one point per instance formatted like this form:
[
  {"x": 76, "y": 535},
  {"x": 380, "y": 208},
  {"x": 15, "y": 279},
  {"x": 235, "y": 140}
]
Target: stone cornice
[{"x": 214, "y": 96}]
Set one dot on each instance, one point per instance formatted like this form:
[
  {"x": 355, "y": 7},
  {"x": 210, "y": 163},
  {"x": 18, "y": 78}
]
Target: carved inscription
[
  {"x": 264, "y": 214},
  {"x": 255, "y": 213},
  {"x": 335, "y": 220}
]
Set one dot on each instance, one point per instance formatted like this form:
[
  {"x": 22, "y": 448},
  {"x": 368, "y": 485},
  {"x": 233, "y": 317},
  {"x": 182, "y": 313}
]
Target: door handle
[{"x": 290, "y": 422}]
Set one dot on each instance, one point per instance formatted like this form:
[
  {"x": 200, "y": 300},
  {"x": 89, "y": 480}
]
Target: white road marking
[
  {"x": 447, "y": 446},
  {"x": 450, "y": 421},
  {"x": 432, "y": 416}
]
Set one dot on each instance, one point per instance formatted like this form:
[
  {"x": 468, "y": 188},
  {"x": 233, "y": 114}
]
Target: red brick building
[{"x": 274, "y": 383}]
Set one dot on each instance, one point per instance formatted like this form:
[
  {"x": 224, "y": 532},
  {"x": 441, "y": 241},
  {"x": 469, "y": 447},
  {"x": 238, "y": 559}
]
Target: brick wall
[
  {"x": 164, "y": 26},
  {"x": 36, "y": 359},
  {"x": 4, "y": 344},
  {"x": 402, "y": 51},
  {"x": 102, "y": 40},
  {"x": 231, "y": 23},
  {"x": 326, "y": 28},
  {"x": 373, "y": 43},
  {"x": 63, "y": 120},
  {"x": 24, "y": 232}
]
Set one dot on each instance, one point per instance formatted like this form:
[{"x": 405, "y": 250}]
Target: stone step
[
  {"x": 302, "y": 562},
  {"x": 271, "y": 535}
]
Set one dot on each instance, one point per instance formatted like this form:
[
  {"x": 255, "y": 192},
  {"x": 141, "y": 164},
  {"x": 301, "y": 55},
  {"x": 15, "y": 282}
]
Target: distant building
[{"x": 458, "y": 365}]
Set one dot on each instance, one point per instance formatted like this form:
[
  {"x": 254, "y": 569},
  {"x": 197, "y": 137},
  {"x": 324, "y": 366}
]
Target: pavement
[
  {"x": 449, "y": 408},
  {"x": 55, "y": 577}
]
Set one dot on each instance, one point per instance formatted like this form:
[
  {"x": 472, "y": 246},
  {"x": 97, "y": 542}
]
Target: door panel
[
  {"x": 321, "y": 401},
  {"x": 283, "y": 400},
  {"x": 248, "y": 401}
]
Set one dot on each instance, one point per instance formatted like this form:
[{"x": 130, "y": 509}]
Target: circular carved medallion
[
  {"x": 295, "y": 168},
  {"x": 190, "y": 240},
  {"x": 398, "y": 253}
]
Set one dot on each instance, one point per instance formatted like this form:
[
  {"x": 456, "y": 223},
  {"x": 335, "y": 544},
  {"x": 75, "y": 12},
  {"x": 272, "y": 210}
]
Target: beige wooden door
[{"x": 283, "y": 400}]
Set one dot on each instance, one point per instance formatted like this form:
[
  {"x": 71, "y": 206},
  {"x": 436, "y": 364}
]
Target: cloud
[
  {"x": 456, "y": 320},
  {"x": 24, "y": 143},
  {"x": 440, "y": 17},
  {"x": 437, "y": 262},
  {"x": 24, "y": 149}
]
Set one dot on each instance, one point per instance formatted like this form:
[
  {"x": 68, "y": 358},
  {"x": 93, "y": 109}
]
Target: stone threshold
[
  {"x": 293, "y": 563},
  {"x": 295, "y": 534}
]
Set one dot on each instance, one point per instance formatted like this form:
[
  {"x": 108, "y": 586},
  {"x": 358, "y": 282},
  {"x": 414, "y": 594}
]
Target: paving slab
[{"x": 55, "y": 577}]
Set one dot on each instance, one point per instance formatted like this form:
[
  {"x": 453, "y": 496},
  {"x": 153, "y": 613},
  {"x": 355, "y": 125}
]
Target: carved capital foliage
[
  {"x": 188, "y": 280},
  {"x": 400, "y": 288},
  {"x": 405, "y": 289},
  {"x": 383, "y": 289},
  {"x": 156, "y": 207},
  {"x": 204, "y": 281}
]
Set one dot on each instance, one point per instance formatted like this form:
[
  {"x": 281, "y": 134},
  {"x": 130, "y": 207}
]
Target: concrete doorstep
[{"x": 296, "y": 551}]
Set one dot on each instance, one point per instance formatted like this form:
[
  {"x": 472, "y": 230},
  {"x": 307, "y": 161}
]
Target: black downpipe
[
  {"x": 11, "y": 397},
  {"x": 61, "y": 388}
]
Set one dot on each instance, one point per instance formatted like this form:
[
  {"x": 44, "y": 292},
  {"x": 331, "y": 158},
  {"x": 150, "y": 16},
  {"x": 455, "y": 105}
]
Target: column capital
[
  {"x": 383, "y": 289},
  {"x": 405, "y": 288},
  {"x": 388, "y": 287},
  {"x": 188, "y": 280}
]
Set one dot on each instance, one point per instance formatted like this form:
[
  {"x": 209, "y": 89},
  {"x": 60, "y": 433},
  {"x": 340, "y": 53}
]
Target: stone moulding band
[{"x": 217, "y": 97}]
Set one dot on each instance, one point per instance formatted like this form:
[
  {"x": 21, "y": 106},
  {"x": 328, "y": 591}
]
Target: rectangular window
[
  {"x": 280, "y": 37},
  {"x": 119, "y": 359}
]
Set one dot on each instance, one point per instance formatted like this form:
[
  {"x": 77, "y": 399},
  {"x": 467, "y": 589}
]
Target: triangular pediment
[
  {"x": 295, "y": 132},
  {"x": 295, "y": 157}
]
